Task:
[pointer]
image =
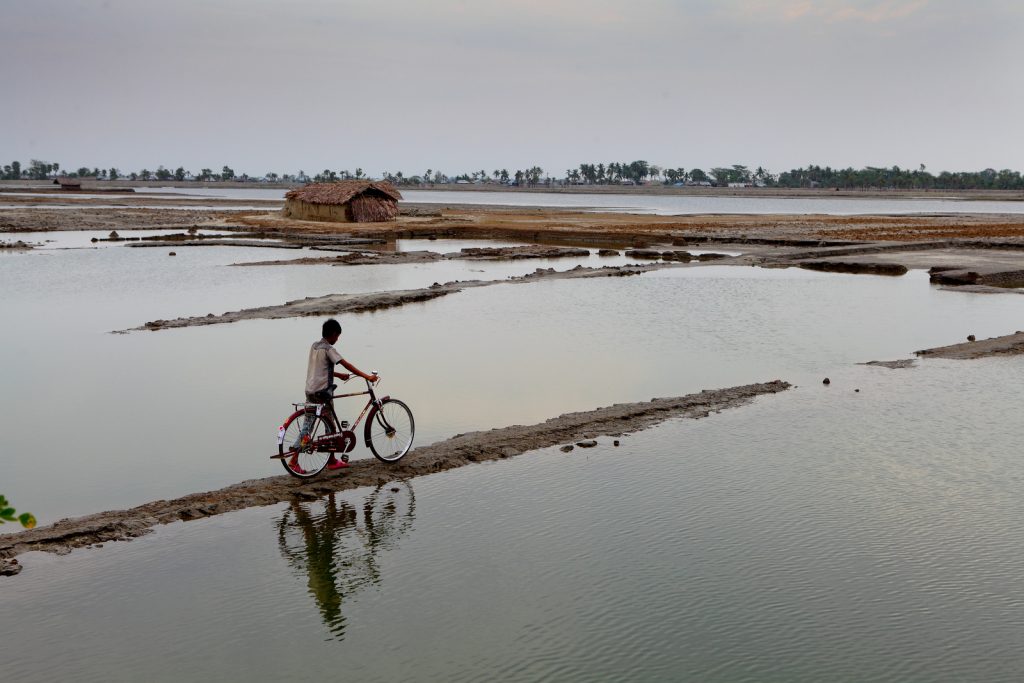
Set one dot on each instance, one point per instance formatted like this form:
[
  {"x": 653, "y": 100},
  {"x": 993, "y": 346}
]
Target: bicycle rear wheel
[
  {"x": 390, "y": 430},
  {"x": 302, "y": 458}
]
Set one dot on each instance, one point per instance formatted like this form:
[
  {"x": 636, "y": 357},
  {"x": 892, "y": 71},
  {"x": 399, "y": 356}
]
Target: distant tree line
[
  {"x": 530, "y": 176},
  {"x": 44, "y": 170},
  {"x": 611, "y": 173},
  {"x": 902, "y": 179}
]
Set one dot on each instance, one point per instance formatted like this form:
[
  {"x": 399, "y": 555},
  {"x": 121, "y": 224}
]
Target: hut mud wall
[{"x": 304, "y": 211}]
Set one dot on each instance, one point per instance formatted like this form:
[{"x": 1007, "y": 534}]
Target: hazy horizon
[{"x": 463, "y": 86}]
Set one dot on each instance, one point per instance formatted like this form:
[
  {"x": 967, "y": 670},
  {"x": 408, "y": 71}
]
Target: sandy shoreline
[{"x": 458, "y": 451}]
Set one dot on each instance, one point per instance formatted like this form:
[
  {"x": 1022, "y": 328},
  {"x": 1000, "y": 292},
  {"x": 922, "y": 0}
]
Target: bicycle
[{"x": 313, "y": 433}]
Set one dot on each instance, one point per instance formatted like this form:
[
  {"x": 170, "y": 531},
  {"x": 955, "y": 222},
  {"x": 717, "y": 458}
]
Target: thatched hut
[
  {"x": 346, "y": 201},
  {"x": 71, "y": 184}
]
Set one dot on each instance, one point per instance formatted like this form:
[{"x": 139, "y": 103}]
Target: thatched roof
[
  {"x": 68, "y": 182},
  {"x": 342, "y": 191}
]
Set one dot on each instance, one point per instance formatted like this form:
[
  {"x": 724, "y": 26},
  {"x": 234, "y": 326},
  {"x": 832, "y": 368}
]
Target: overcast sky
[{"x": 462, "y": 85}]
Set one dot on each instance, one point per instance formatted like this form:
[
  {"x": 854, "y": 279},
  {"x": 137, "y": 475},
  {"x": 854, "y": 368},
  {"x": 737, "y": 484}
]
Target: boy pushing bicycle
[{"x": 319, "y": 385}]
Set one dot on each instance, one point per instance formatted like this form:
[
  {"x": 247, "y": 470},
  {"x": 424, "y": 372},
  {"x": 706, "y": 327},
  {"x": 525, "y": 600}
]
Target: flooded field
[
  {"x": 155, "y": 415},
  {"x": 818, "y": 534},
  {"x": 857, "y": 530},
  {"x": 666, "y": 205}
]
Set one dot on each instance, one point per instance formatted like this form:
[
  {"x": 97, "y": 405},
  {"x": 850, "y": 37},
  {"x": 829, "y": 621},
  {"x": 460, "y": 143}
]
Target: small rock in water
[
  {"x": 857, "y": 391},
  {"x": 586, "y": 444},
  {"x": 9, "y": 567},
  {"x": 826, "y": 381},
  {"x": 566, "y": 448},
  {"x": 95, "y": 239},
  {"x": 970, "y": 337},
  {"x": 394, "y": 489},
  {"x": 615, "y": 443},
  {"x": 172, "y": 253}
]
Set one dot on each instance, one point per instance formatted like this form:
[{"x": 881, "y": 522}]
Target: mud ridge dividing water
[
  {"x": 1007, "y": 345},
  {"x": 892, "y": 364},
  {"x": 336, "y": 304},
  {"x": 365, "y": 258},
  {"x": 460, "y": 450}
]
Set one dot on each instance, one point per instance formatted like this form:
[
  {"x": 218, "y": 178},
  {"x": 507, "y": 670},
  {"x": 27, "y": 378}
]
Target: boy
[{"x": 320, "y": 373}]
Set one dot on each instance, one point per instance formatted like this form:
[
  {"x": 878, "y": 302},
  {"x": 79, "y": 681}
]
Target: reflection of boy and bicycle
[
  {"x": 313, "y": 438},
  {"x": 339, "y": 549}
]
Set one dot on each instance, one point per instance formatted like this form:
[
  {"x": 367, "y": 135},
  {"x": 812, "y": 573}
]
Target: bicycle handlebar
[{"x": 344, "y": 376}]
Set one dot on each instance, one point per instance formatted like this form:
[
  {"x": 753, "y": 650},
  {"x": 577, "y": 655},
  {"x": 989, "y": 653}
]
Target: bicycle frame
[
  {"x": 373, "y": 401},
  {"x": 373, "y": 411}
]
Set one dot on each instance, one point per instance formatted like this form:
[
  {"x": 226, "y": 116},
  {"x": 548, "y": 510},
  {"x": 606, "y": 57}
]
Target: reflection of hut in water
[
  {"x": 346, "y": 201},
  {"x": 71, "y": 184}
]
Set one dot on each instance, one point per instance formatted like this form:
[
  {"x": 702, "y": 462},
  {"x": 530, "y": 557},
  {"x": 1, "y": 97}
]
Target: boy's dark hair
[{"x": 331, "y": 328}]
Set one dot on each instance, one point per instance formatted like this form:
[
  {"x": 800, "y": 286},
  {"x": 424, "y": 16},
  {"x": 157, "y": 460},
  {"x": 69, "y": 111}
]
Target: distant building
[{"x": 345, "y": 201}]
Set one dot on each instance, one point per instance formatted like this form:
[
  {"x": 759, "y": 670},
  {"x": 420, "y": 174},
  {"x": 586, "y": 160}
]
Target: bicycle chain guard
[{"x": 343, "y": 442}]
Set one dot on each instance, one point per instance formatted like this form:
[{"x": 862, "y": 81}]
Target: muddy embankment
[
  {"x": 336, "y": 304},
  {"x": 495, "y": 444},
  {"x": 1007, "y": 345},
  {"x": 622, "y": 229},
  {"x": 366, "y": 258},
  {"x": 527, "y": 224},
  {"x": 48, "y": 220}
]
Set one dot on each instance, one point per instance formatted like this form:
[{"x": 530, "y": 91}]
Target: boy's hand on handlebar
[{"x": 374, "y": 378}]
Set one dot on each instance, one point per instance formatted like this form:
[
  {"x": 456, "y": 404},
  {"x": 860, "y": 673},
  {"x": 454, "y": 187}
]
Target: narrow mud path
[
  {"x": 336, "y": 304},
  {"x": 457, "y": 451},
  {"x": 1007, "y": 345}
]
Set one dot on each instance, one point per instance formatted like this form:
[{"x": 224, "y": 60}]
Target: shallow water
[
  {"x": 148, "y": 415},
  {"x": 133, "y": 205},
  {"x": 82, "y": 239},
  {"x": 659, "y": 204},
  {"x": 672, "y": 205},
  {"x": 818, "y": 534}
]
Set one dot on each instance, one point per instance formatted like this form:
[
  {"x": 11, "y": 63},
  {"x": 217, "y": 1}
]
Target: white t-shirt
[{"x": 322, "y": 359}]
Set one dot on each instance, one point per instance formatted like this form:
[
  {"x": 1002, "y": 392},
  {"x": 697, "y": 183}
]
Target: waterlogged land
[
  {"x": 760, "y": 525},
  {"x": 495, "y": 444}
]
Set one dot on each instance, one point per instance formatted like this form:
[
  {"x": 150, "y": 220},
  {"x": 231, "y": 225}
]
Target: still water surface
[
  {"x": 658, "y": 204},
  {"x": 148, "y": 415},
  {"x": 820, "y": 534}
]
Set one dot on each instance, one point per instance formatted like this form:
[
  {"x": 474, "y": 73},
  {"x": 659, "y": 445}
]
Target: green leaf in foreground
[{"x": 7, "y": 514}]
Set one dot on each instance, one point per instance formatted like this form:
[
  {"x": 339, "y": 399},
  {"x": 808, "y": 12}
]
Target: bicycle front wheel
[
  {"x": 389, "y": 430},
  {"x": 302, "y": 457}
]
